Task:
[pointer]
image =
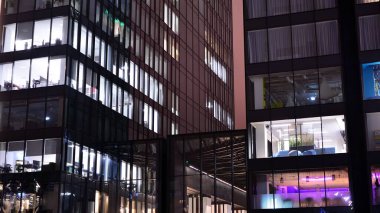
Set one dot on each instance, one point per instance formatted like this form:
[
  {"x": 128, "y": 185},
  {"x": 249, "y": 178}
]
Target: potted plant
[{"x": 302, "y": 142}]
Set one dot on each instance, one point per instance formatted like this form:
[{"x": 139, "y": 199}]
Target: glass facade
[
  {"x": 306, "y": 122},
  {"x": 297, "y": 88},
  {"x": 296, "y": 41},
  {"x": 102, "y": 172},
  {"x": 87, "y": 85},
  {"x": 301, "y": 189},
  {"x": 263, "y": 8},
  {"x": 143, "y": 55},
  {"x": 208, "y": 172},
  {"x": 298, "y": 137}
]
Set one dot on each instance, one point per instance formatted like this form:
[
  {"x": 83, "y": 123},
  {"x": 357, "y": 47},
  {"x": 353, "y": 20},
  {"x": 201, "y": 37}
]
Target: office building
[
  {"x": 86, "y": 88},
  {"x": 312, "y": 105}
]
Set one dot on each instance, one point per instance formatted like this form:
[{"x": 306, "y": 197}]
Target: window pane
[
  {"x": 70, "y": 157},
  {"x": 256, "y": 8},
  {"x": 4, "y": 115},
  {"x": 6, "y": 77},
  {"x": 334, "y": 134},
  {"x": 312, "y": 188},
  {"x": 337, "y": 188},
  {"x": 61, "y": 3},
  {"x": 83, "y": 41},
  {"x": 280, "y": 43},
  {"x": 21, "y": 75},
  {"x": 85, "y": 158},
  {"x": 3, "y": 148},
  {"x": 301, "y": 5},
  {"x": 52, "y": 153},
  {"x": 97, "y": 50},
  {"x": 18, "y": 115},
  {"x": 262, "y": 139},
  {"x": 15, "y": 156},
  {"x": 264, "y": 191},
  {"x": 281, "y": 90},
  {"x": 25, "y": 5},
  {"x": 24, "y": 36},
  {"x": 258, "y": 46},
  {"x": 9, "y": 34},
  {"x": 327, "y": 37},
  {"x": 36, "y": 114},
  {"x": 286, "y": 190},
  {"x": 41, "y": 33},
  {"x": 322, "y": 4},
  {"x": 304, "y": 42},
  {"x": 43, "y": 4},
  {"x": 33, "y": 156},
  {"x": 277, "y": 7},
  {"x": 59, "y": 31},
  {"x": 259, "y": 89},
  {"x": 306, "y": 87},
  {"x": 57, "y": 68},
  {"x": 371, "y": 80},
  {"x": 309, "y": 136},
  {"x": 38, "y": 74},
  {"x": 373, "y": 131},
  {"x": 284, "y": 138},
  {"x": 11, "y": 6},
  {"x": 89, "y": 44},
  {"x": 330, "y": 83},
  {"x": 369, "y": 32},
  {"x": 54, "y": 112}
]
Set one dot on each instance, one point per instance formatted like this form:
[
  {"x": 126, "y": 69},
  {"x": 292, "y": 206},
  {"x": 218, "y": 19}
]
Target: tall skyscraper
[
  {"x": 82, "y": 80},
  {"x": 312, "y": 79}
]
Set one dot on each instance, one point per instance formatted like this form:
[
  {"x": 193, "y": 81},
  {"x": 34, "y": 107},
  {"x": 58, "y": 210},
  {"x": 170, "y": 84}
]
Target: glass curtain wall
[
  {"x": 298, "y": 137},
  {"x": 298, "y": 88},
  {"x": 208, "y": 173},
  {"x": 291, "y": 42},
  {"x": 301, "y": 189}
]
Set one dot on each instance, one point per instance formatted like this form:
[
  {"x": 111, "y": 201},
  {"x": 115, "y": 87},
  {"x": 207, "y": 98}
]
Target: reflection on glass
[
  {"x": 57, "y": 71},
  {"x": 18, "y": 115},
  {"x": 306, "y": 87},
  {"x": 41, "y": 33},
  {"x": 281, "y": 90},
  {"x": 11, "y": 6},
  {"x": 59, "y": 31},
  {"x": 25, "y": 5},
  {"x": 21, "y": 75},
  {"x": 36, "y": 114},
  {"x": 330, "y": 83},
  {"x": 24, "y": 36},
  {"x": 6, "y": 76},
  {"x": 3, "y": 149},
  {"x": 9, "y": 32},
  {"x": 43, "y": 4},
  {"x": 373, "y": 131},
  {"x": 38, "y": 75}
]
